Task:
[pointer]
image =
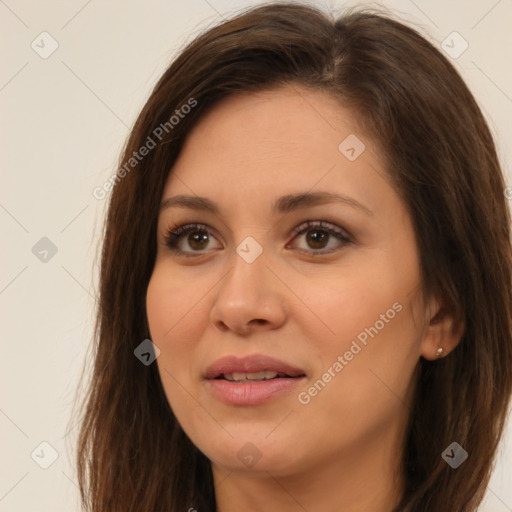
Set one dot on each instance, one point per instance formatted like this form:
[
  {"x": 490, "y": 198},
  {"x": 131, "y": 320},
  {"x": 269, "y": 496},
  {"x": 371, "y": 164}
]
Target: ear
[{"x": 442, "y": 333}]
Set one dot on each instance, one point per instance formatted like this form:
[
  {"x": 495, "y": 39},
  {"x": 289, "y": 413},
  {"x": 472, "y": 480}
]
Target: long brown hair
[{"x": 132, "y": 453}]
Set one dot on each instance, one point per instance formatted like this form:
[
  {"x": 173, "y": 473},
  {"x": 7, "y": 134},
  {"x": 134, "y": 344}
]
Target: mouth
[
  {"x": 256, "y": 376},
  {"x": 253, "y": 368},
  {"x": 251, "y": 380}
]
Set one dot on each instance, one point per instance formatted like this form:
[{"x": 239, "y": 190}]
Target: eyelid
[{"x": 326, "y": 225}]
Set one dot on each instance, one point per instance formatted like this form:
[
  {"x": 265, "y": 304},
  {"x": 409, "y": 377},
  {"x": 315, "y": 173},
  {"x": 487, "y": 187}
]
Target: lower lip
[{"x": 251, "y": 393}]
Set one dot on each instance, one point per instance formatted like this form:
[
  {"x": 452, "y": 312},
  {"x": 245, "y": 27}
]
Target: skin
[{"x": 295, "y": 303}]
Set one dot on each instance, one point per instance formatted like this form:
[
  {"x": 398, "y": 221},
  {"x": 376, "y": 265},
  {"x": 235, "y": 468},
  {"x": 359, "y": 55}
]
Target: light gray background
[{"x": 64, "y": 121}]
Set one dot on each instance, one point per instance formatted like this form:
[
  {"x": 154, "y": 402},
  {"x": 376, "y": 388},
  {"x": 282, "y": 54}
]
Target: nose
[{"x": 248, "y": 298}]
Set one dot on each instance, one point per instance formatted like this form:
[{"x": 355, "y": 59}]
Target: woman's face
[{"x": 335, "y": 309}]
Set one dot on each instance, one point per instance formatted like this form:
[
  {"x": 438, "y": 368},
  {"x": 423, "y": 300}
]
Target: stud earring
[{"x": 439, "y": 352}]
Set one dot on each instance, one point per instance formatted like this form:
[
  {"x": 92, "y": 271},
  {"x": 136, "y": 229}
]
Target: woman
[{"x": 305, "y": 298}]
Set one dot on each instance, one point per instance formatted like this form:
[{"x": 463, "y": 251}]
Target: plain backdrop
[{"x": 65, "y": 116}]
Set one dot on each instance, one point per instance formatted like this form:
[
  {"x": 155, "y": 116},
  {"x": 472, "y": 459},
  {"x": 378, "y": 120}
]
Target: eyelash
[{"x": 173, "y": 235}]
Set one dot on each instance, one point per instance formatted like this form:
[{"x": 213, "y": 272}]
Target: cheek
[
  {"x": 360, "y": 303},
  {"x": 171, "y": 306},
  {"x": 169, "y": 313},
  {"x": 362, "y": 388},
  {"x": 155, "y": 306},
  {"x": 376, "y": 337},
  {"x": 159, "y": 305},
  {"x": 177, "y": 313}
]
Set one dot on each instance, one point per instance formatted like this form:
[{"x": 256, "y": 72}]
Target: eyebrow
[{"x": 284, "y": 204}]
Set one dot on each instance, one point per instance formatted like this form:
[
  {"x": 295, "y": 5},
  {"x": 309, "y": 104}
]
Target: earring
[{"x": 439, "y": 352}]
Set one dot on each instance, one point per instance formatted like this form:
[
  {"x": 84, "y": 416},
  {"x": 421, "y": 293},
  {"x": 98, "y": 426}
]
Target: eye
[
  {"x": 197, "y": 239},
  {"x": 319, "y": 234}
]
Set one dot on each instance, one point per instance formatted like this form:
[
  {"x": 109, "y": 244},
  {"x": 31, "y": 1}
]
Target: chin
[{"x": 254, "y": 453}]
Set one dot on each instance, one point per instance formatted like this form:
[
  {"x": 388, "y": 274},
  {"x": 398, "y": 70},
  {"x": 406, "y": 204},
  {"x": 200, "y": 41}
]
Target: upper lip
[{"x": 249, "y": 364}]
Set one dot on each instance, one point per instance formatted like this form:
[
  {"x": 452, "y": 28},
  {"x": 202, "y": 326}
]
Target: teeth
[{"x": 254, "y": 376}]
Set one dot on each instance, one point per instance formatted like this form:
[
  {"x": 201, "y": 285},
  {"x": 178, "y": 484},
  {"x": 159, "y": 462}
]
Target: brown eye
[
  {"x": 318, "y": 236},
  {"x": 197, "y": 239},
  {"x": 317, "y": 239}
]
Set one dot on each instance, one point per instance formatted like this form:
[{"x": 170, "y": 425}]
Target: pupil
[
  {"x": 197, "y": 238},
  {"x": 317, "y": 239}
]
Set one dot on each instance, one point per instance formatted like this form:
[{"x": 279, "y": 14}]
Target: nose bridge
[
  {"x": 248, "y": 293},
  {"x": 247, "y": 279}
]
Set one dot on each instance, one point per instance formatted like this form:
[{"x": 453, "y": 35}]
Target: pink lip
[
  {"x": 251, "y": 393},
  {"x": 253, "y": 363}
]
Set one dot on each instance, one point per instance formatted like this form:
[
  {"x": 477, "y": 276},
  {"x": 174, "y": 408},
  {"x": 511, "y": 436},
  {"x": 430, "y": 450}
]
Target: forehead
[
  {"x": 287, "y": 122},
  {"x": 273, "y": 143}
]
